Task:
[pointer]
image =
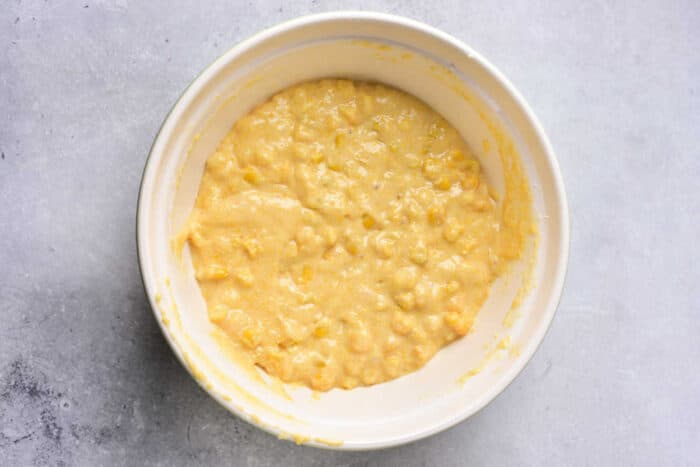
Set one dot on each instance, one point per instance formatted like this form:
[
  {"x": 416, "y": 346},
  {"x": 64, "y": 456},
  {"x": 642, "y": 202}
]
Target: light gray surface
[{"x": 85, "y": 375}]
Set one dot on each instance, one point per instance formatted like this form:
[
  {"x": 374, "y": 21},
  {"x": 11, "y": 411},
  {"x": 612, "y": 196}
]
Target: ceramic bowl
[{"x": 468, "y": 91}]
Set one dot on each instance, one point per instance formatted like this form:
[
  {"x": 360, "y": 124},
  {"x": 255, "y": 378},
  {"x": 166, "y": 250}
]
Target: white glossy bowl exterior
[{"x": 436, "y": 68}]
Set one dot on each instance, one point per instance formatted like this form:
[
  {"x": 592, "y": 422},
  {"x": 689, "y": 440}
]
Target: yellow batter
[{"x": 343, "y": 233}]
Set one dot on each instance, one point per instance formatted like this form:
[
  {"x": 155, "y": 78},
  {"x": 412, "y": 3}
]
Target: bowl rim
[{"x": 531, "y": 346}]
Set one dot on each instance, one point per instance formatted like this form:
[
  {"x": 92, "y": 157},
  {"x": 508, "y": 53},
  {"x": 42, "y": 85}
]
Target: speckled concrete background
[{"x": 87, "y": 379}]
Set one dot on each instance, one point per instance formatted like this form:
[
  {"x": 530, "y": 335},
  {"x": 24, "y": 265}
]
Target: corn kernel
[
  {"x": 406, "y": 300},
  {"x": 302, "y": 133},
  {"x": 391, "y": 344},
  {"x": 334, "y": 165},
  {"x": 419, "y": 253},
  {"x": 405, "y": 278},
  {"x": 384, "y": 246},
  {"x": 196, "y": 239},
  {"x": 213, "y": 272},
  {"x": 467, "y": 197},
  {"x": 217, "y": 162},
  {"x": 460, "y": 323},
  {"x": 330, "y": 235},
  {"x": 360, "y": 341},
  {"x": 291, "y": 250},
  {"x": 393, "y": 147},
  {"x": 431, "y": 168},
  {"x": 451, "y": 319},
  {"x": 368, "y": 221},
  {"x": 244, "y": 275},
  {"x": 271, "y": 361},
  {"x": 382, "y": 303},
  {"x": 392, "y": 365},
  {"x": 401, "y": 323},
  {"x": 252, "y": 247},
  {"x": 323, "y": 380},
  {"x": 251, "y": 175},
  {"x": 479, "y": 204},
  {"x": 349, "y": 111},
  {"x": 443, "y": 183},
  {"x": 470, "y": 182},
  {"x": 329, "y": 253},
  {"x": 218, "y": 272},
  {"x": 339, "y": 139},
  {"x": 433, "y": 323},
  {"x": 436, "y": 215},
  {"x": 412, "y": 160},
  {"x": 453, "y": 229},
  {"x": 313, "y": 199},
  {"x": 452, "y": 287},
  {"x": 231, "y": 295},
  {"x": 367, "y": 103},
  {"x": 434, "y": 130},
  {"x": 300, "y": 151},
  {"x": 332, "y": 121},
  {"x": 352, "y": 246},
  {"x": 293, "y": 329},
  {"x": 250, "y": 337},
  {"x": 479, "y": 271},
  {"x": 218, "y": 313},
  {"x": 305, "y": 235},
  {"x": 472, "y": 165},
  {"x": 308, "y": 298},
  {"x": 317, "y": 157},
  {"x": 353, "y": 366},
  {"x": 349, "y": 382},
  {"x": 418, "y": 335},
  {"x": 263, "y": 156},
  {"x": 307, "y": 274},
  {"x": 345, "y": 86},
  {"x": 422, "y": 353},
  {"x": 422, "y": 293},
  {"x": 370, "y": 376},
  {"x": 321, "y": 331}
]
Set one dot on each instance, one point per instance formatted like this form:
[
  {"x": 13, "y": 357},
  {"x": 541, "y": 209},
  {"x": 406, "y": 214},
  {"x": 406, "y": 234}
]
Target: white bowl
[{"x": 478, "y": 101}]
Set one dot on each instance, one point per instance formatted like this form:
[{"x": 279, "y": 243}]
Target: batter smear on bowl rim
[{"x": 343, "y": 233}]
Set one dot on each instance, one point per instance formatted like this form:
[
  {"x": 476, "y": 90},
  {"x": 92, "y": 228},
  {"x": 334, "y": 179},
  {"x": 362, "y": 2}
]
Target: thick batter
[{"x": 343, "y": 233}]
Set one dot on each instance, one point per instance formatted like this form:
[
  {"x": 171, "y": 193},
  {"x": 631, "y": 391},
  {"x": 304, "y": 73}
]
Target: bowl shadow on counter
[{"x": 182, "y": 420}]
